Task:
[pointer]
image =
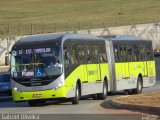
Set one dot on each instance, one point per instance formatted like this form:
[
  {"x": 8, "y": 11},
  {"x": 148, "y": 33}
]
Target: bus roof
[
  {"x": 49, "y": 39},
  {"x": 39, "y": 38},
  {"x": 126, "y": 37},
  {"x": 120, "y": 37}
]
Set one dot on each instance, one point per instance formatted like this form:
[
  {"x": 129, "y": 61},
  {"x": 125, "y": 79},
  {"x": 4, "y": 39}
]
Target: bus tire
[
  {"x": 139, "y": 88},
  {"x": 103, "y": 95},
  {"x": 75, "y": 100}
]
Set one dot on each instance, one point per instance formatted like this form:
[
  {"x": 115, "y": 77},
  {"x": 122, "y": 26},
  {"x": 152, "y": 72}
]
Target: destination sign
[{"x": 31, "y": 51}]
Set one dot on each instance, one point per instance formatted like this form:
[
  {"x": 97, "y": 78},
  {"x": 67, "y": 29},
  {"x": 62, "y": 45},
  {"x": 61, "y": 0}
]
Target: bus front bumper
[{"x": 32, "y": 95}]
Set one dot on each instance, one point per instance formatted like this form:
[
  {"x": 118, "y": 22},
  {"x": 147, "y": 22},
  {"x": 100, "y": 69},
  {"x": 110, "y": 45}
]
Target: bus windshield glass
[{"x": 36, "y": 62}]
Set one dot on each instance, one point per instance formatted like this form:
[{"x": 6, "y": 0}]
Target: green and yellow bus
[{"x": 68, "y": 66}]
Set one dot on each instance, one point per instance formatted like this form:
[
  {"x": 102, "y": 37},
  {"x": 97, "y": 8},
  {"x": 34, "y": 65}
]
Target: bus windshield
[{"x": 36, "y": 62}]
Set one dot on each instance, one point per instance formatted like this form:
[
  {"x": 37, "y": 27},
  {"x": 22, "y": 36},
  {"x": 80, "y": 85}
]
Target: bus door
[
  {"x": 142, "y": 59},
  {"x": 93, "y": 70},
  {"x": 132, "y": 62},
  {"x": 150, "y": 61},
  {"x": 81, "y": 57},
  {"x": 136, "y": 61},
  {"x": 122, "y": 64}
]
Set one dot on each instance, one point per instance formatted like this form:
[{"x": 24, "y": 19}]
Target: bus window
[
  {"x": 135, "y": 52},
  {"x": 122, "y": 49},
  {"x": 88, "y": 56},
  {"x": 81, "y": 55},
  {"x": 102, "y": 53},
  {"x": 67, "y": 59},
  {"x": 116, "y": 53},
  {"x": 93, "y": 54},
  {"x": 141, "y": 49},
  {"x": 149, "y": 54},
  {"x": 74, "y": 54},
  {"x": 130, "y": 54}
]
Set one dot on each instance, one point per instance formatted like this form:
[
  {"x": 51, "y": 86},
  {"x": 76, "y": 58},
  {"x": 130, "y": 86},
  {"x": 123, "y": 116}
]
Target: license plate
[{"x": 37, "y": 95}]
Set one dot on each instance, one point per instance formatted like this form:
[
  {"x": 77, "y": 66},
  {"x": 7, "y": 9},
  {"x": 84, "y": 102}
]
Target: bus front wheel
[{"x": 75, "y": 100}]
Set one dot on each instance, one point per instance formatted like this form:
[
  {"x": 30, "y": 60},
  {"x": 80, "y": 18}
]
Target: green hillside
[{"x": 36, "y": 16}]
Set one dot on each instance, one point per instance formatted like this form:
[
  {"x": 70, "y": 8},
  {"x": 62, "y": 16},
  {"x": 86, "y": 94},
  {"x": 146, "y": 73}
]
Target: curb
[
  {"x": 152, "y": 110},
  {"x": 5, "y": 99}
]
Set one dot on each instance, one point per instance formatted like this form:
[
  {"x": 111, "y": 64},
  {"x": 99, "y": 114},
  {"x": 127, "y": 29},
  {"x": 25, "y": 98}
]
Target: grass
[{"x": 38, "y": 16}]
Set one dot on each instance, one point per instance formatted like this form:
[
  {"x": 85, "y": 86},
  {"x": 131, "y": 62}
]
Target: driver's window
[{"x": 67, "y": 59}]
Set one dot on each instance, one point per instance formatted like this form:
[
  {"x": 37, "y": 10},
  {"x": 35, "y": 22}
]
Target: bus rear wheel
[
  {"x": 103, "y": 95},
  {"x": 75, "y": 100},
  {"x": 139, "y": 87}
]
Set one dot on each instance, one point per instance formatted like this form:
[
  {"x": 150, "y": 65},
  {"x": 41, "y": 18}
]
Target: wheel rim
[
  {"x": 139, "y": 86},
  {"x": 104, "y": 90},
  {"x": 77, "y": 93}
]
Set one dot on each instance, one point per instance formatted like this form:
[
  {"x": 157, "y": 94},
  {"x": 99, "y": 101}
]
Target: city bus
[{"x": 68, "y": 66}]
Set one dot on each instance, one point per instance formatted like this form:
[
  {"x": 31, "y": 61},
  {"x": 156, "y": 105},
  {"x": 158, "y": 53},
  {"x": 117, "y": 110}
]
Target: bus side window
[
  {"x": 116, "y": 53},
  {"x": 67, "y": 58},
  {"x": 122, "y": 49},
  {"x": 149, "y": 54},
  {"x": 74, "y": 54},
  {"x": 88, "y": 54},
  {"x": 130, "y": 54},
  {"x": 141, "y": 49},
  {"x": 135, "y": 53},
  {"x": 81, "y": 55},
  {"x": 102, "y": 53},
  {"x": 93, "y": 54}
]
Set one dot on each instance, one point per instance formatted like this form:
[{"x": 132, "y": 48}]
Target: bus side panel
[
  {"x": 127, "y": 72},
  {"x": 88, "y": 75},
  {"x": 71, "y": 80},
  {"x": 104, "y": 68},
  {"x": 122, "y": 78},
  {"x": 151, "y": 73},
  {"x": 120, "y": 71},
  {"x": 151, "y": 68},
  {"x": 95, "y": 84},
  {"x": 136, "y": 68},
  {"x": 92, "y": 72},
  {"x": 145, "y": 69}
]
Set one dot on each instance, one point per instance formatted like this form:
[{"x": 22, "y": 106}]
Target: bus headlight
[
  {"x": 58, "y": 85},
  {"x": 17, "y": 90}
]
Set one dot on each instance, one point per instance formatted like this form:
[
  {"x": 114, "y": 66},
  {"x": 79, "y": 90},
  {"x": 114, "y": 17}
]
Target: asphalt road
[
  {"x": 88, "y": 109},
  {"x": 87, "y": 106}
]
